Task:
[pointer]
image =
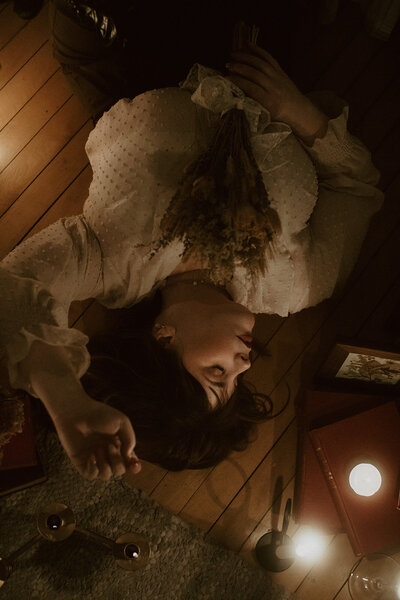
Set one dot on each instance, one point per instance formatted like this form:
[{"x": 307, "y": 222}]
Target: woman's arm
[
  {"x": 325, "y": 251},
  {"x": 98, "y": 439},
  {"x": 259, "y": 75},
  {"x": 38, "y": 281}
]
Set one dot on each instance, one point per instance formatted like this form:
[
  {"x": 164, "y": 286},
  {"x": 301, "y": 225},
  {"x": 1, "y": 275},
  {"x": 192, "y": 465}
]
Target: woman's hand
[
  {"x": 98, "y": 439},
  {"x": 259, "y": 75}
]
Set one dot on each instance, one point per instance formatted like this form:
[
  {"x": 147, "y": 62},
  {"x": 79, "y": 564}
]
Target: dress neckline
[{"x": 195, "y": 277}]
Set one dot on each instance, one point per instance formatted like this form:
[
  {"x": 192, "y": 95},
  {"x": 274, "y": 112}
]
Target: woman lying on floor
[{"x": 219, "y": 199}]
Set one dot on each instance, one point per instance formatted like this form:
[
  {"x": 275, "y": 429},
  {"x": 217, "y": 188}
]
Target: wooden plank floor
[{"x": 44, "y": 175}]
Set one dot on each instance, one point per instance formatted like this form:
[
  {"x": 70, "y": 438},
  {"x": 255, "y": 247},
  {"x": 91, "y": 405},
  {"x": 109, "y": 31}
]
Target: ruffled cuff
[
  {"x": 337, "y": 145},
  {"x": 213, "y": 91},
  {"x": 73, "y": 341},
  {"x": 339, "y": 151},
  {"x": 28, "y": 312}
]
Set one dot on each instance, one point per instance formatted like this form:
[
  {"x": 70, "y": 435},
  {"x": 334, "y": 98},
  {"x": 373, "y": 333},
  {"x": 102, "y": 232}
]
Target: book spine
[
  {"x": 299, "y": 475},
  {"x": 23, "y": 486},
  {"x": 335, "y": 493}
]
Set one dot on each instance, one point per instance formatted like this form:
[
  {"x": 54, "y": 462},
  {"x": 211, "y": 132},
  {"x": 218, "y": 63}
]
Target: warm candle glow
[
  {"x": 365, "y": 479},
  {"x": 309, "y": 544}
]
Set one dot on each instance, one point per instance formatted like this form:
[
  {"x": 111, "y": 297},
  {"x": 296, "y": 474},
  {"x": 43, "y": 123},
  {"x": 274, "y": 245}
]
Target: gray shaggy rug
[{"x": 183, "y": 564}]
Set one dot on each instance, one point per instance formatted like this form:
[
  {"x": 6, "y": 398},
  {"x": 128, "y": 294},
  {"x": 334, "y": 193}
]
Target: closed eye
[{"x": 215, "y": 371}]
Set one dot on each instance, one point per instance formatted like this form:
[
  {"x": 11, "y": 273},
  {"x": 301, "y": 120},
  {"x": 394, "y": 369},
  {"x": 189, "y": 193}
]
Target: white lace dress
[{"x": 325, "y": 197}]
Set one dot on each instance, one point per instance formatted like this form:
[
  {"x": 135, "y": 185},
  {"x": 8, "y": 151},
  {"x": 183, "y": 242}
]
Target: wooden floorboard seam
[
  {"x": 20, "y": 68},
  {"x": 259, "y": 466},
  {"x": 45, "y": 166},
  {"x": 31, "y": 139},
  {"x": 51, "y": 206},
  {"x": 28, "y": 101}
]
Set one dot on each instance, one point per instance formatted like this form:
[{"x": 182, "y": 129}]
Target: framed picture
[{"x": 367, "y": 367}]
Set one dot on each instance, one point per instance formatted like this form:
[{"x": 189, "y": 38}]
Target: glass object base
[{"x": 375, "y": 577}]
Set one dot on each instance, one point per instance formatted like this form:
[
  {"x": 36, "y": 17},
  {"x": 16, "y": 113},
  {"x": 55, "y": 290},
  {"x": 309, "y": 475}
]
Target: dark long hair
[{"x": 174, "y": 423}]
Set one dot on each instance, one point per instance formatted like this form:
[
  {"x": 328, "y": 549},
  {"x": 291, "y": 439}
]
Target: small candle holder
[
  {"x": 56, "y": 522},
  {"x": 274, "y": 550}
]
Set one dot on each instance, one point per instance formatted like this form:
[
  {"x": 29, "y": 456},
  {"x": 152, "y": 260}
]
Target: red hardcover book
[
  {"x": 313, "y": 502},
  {"x": 20, "y": 467},
  {"x": 20, "y": 450},
  {"x": 13, "y": 480},
  {"x": 372, "y": 436}
]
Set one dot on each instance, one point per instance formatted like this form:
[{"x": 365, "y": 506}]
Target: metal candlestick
[
  {"x": 274, "y": 550},
  {"x": 56, "y": 522}
]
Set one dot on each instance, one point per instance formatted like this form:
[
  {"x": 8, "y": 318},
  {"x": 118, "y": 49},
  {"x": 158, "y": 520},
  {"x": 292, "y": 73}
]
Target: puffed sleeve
[
  {"x": 325, "y": 252},
  {"x": 138, "y": 151},
  {"x": 38, "y": 282}
]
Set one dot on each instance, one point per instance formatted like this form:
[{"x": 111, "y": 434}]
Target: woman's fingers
[
  {"x": 250, "y": 73},
  {"x": 251, "y": 89},
  {"x": 91, "y": 470},
  {"x": 265, "y": 56},
  {"x": 86, "y": 465},
  {"x": 135, "y": 465},
  {"x": 128, "y": 440},
  {"x": 106, "y": 461},
  {"x": 128, "y": 462},
  {"x": 116, "y": 461},
  {"x": 257, "y": 76},
  {"x": 260, "y": 77},
  {"x": 263, "y": 67},
  {"x": 258, "y": 58},
  {"x": 110, "y": 461},
  {"x": 103, "y": 465}
]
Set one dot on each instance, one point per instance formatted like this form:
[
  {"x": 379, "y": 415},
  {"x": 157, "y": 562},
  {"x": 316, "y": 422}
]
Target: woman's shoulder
[
  {"x": 167, "y": 115},
  {"x": 171, "y": 103}
]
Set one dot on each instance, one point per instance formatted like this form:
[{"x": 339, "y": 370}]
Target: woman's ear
[{"x": 164, "y": 334}]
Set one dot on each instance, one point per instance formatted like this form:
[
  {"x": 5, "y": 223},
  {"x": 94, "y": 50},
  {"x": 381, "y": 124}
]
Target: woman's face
[{"x": 213, "y": 342}]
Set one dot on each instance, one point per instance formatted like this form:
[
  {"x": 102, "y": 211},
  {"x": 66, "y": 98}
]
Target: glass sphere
[{"x": 375, "y": 577}]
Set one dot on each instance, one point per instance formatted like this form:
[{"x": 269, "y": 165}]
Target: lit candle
[
  {"x": 309, "y": 544},
  {"x": 365, "y": 479}
]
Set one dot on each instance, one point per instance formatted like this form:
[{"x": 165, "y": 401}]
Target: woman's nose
[{"x": 242, "y": 362}]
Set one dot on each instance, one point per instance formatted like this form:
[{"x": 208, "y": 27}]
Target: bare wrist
[
  {"x": 53, "y": 379},
  {"x": 313, "y": 124}
]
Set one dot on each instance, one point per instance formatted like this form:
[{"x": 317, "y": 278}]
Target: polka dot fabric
[{"x": 325, "y": 197}]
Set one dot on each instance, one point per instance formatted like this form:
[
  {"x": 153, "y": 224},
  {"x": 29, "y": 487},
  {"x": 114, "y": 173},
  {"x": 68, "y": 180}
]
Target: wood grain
[
  {"x": 33, "y": 116},
  {"x": 44, "y": 175},
  {"x": 20, "y": 48},
  {"x": 20, "y": 89},
  {"x": 43, "y": 190},
  {"x": 40, "y": 151},
  {"x": 11, "y": 24}
]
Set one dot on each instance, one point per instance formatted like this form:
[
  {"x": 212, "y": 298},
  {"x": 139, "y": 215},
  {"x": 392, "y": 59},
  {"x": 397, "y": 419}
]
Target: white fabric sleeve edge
[{"x": 19, "y": 346}]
